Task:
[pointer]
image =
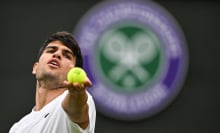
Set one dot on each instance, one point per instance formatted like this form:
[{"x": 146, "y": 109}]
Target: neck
[{"x": 45, "y": 96}]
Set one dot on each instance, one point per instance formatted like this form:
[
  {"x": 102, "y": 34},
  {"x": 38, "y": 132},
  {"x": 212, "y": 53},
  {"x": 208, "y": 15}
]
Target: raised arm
[{"x": 75, "y": 103}]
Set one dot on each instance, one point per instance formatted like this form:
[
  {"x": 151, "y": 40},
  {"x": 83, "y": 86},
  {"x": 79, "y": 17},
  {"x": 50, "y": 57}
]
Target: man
[{"x": 61, "y": 107}]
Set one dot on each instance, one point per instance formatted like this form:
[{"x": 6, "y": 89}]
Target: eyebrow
[{"x": 65, "y": 50}]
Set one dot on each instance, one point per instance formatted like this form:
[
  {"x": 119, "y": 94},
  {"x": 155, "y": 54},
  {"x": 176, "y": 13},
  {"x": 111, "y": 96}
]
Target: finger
[
  {"x": 87, "y": 82},
  {"x": 66, "y": 83},
  {"x": 74, "y": 86},
  {"x": 77, "y": 87}
]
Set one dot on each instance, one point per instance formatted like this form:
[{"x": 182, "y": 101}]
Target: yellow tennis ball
[{"x": 76, "y": 74}]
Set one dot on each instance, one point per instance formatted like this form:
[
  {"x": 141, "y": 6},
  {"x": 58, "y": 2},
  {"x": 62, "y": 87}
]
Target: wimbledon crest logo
[{"x": 135, "y": 55}]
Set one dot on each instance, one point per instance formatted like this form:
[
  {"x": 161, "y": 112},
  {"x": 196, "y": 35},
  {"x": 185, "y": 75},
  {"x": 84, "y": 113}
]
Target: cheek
[
  {"x": 42, "y": 58},
  {"x": 67, "y": 65},
  {"x": 67, "y": 68}
]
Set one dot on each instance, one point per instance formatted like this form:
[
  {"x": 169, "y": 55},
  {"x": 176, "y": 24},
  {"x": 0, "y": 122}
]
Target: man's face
[{"x": 54, "y": 63}]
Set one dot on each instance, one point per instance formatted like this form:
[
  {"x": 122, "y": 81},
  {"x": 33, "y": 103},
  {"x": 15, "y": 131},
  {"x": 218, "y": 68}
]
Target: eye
[
  {"x": 50, "y": 50},
  {"x": 67, "y": 56}
]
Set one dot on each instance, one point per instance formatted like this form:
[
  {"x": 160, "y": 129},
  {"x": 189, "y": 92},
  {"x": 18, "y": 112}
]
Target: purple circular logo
[{"x": 135, "y": 55}]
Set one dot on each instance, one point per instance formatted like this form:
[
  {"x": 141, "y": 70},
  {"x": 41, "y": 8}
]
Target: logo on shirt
[{"x": 135, "y": 55}]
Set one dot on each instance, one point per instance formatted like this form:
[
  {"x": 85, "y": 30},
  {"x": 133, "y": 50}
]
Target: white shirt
[{"x": 53, "y": 119}]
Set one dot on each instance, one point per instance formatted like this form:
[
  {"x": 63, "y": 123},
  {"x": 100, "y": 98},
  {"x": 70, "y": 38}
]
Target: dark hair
[{"x": 69, "y": 41}]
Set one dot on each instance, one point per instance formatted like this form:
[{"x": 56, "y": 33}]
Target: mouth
[{"x": 54, "y": 63}]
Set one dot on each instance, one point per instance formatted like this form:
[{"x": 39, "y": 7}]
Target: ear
[{"x": 35, "y": 68}]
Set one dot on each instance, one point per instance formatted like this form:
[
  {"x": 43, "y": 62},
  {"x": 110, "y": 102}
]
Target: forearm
[{"x": 76, "y": 107}]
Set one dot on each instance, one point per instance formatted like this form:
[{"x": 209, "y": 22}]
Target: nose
[{"x": 57, "y": 55}]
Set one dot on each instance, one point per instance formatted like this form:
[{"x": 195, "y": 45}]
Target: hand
[{"x": 77, "y": 87}]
